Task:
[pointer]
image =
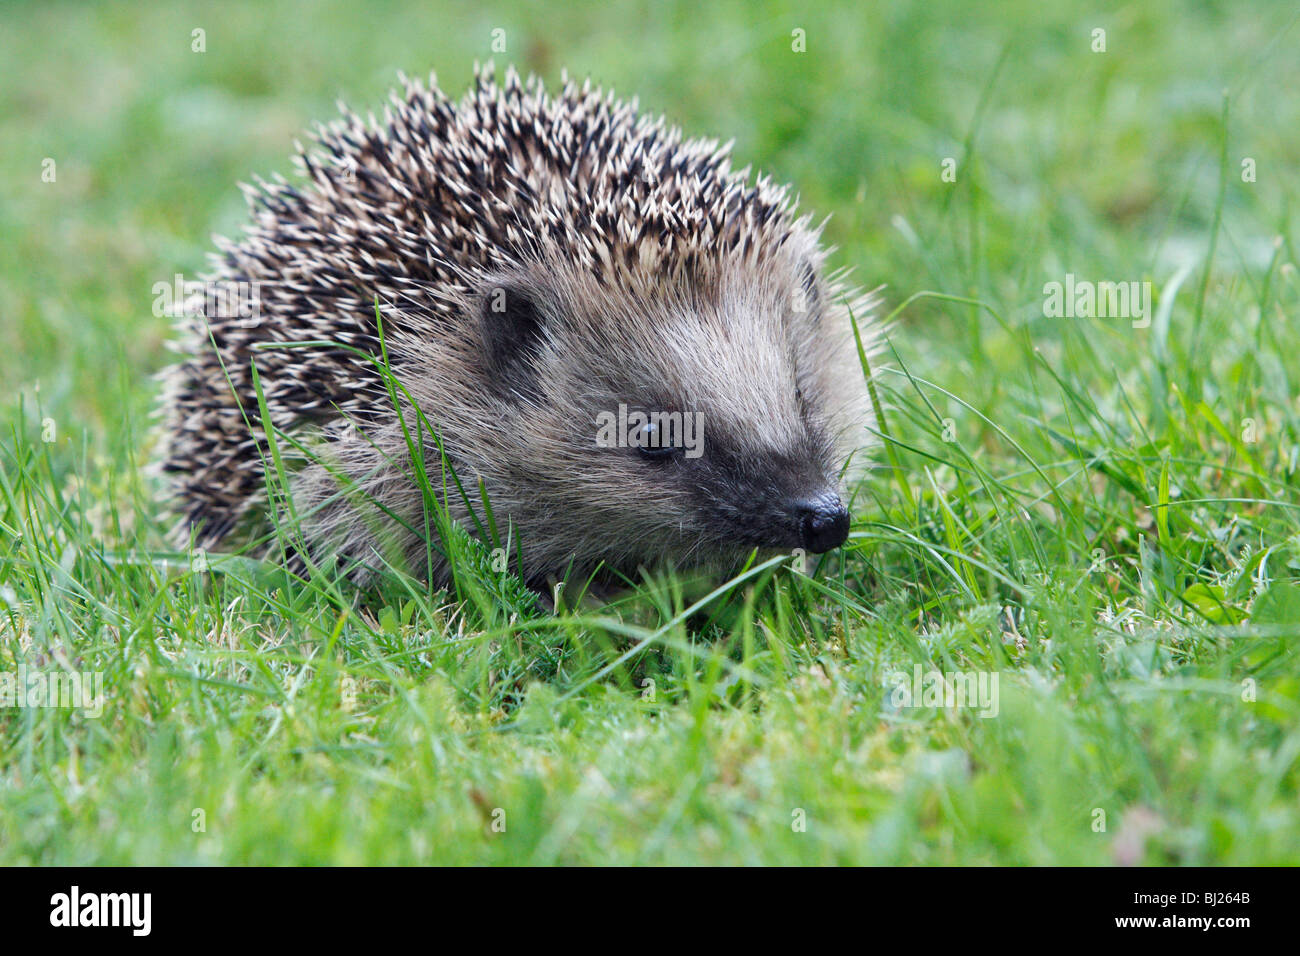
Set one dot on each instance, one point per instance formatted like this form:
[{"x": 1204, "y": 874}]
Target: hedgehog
[{"x": 554, "y": 309}]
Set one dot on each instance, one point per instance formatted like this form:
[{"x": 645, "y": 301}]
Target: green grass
[{"x": 1103, "y": 516}]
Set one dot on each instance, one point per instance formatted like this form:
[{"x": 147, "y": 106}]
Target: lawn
[{"x": 1093, "y": 516}]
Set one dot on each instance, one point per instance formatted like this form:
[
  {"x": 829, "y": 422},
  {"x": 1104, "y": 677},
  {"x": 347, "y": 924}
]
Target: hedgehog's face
[{"x": 693, "y": 425}]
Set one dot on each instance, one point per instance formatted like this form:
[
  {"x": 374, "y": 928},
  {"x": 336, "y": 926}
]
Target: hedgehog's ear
[{"x": 512, "y": 331}]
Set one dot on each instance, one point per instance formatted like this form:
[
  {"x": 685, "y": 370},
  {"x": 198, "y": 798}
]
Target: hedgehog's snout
[{"x": 823, "y": 522}]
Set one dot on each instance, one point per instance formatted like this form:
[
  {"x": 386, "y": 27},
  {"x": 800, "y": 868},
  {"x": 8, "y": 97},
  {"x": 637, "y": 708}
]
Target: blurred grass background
[{"x": 1124, "y": 694}]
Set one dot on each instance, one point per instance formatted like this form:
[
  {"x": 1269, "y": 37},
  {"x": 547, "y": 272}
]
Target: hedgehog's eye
[{"x": 652, "y": 443}]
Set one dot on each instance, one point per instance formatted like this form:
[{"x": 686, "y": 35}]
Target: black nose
[{"x": 823, "y": 522}]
